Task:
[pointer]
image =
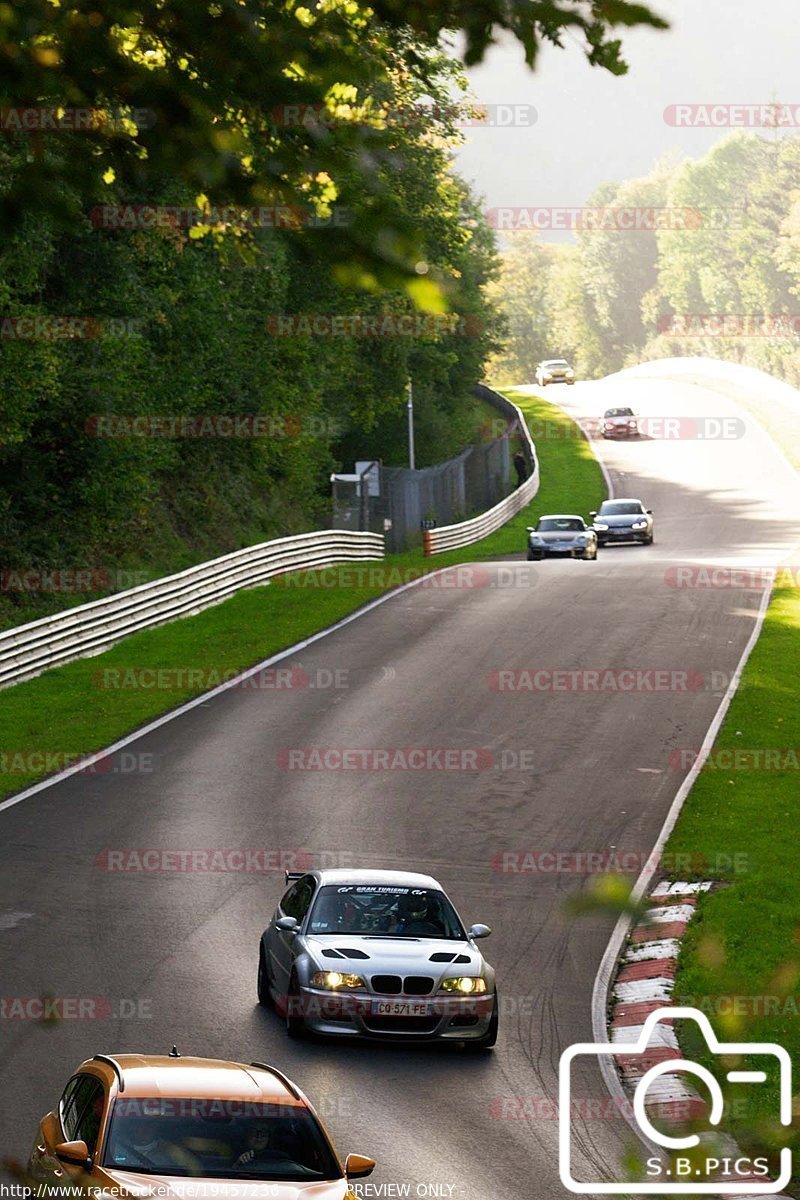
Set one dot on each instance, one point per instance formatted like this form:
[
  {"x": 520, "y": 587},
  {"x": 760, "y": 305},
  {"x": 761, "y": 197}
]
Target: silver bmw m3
[{"x": 376, "y": 954}]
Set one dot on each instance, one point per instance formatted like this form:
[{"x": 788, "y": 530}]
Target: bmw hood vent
[{"x": 344, "y": 952}]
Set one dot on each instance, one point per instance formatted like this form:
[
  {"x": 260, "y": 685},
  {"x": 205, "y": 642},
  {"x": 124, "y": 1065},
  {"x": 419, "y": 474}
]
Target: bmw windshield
[{"x": 368, "y": 909}]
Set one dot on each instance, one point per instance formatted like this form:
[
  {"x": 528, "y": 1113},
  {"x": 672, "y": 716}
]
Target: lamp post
[{"x": 410, "y": 408}]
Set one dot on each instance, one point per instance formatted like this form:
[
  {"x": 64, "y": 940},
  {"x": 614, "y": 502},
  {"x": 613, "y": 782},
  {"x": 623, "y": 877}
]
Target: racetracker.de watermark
[
  {"x": 269, "y": 679},
  {"x": 72, "y": 119},
  {"x": 747, "y": 578},
  {"x": 631, "y": 218},
  {"x": 52, "y": 1009},
  {"x": 373, "y": 325},
  {"x": 593, "y": 680},
  {"x": 413, "y": 759},
  {"x": 46, "y": 328},
  {"x": 738, "y": 758},
  {"x": 405, "y": 116},
  {"x": 622, "y": 219},
  {"x": 654, "y": 428},
  {"x": 219, "y": 860},
  {"x": 71, "y": 580},
  {"x": 176, "y": 216},
  {"x": 225, "y": 426},
  {"x": 598, "y": 1108},
  {"x": 533, "y": 861},
  {"x": 730, "y": 325},
  {"x": 770, "y": 115},
  {"x": 733, "y": 1004},
  {"x": 45, "y": 762},
  {"x": 378, "y": 577},
  {"x": 159, "y": 860}
]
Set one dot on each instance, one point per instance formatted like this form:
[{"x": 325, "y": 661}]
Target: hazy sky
[{"x": 592, "y": 127}]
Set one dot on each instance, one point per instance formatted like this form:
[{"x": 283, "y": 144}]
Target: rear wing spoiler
[{"x": 292, "y": 875}]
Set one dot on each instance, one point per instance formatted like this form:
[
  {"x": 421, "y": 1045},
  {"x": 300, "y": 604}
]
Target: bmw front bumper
[{"x": 429, "y": 1018}]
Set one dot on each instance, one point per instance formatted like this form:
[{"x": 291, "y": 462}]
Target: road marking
[
  {"x": 605, "y": 971},
  {"x": 204, "y": 697},
  {"x": 11, "y": 919}
]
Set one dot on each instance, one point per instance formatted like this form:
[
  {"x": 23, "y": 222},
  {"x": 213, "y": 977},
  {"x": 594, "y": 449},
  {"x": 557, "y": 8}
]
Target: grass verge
[
  {"x": 740, "y": 960},
  {"x": 74, "y": 710}
]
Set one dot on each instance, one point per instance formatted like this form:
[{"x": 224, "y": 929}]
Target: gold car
[{"x": 188, "y": 1127}]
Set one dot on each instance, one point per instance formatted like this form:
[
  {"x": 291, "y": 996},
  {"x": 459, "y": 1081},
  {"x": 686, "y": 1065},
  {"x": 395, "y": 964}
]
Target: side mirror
[
  {"x": 287, "y": 924},
  {"x": 358, "y": 1165},
  {"x": 479, "y": 931},
  {"x": 593, "y": 513},
  {"x": 649, "y": 512},
  {"x": 76, "y": 1154},
  {"x": 531, "y": 528}
]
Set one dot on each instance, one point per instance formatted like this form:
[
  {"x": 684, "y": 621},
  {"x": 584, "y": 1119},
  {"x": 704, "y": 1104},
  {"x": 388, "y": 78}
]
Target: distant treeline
[{"x": 699, "y": 257}]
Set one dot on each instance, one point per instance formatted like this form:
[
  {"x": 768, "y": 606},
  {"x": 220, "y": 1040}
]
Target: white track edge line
[
  {"x": 605, "y": 971},
  {"x": 173, "y": 713},
  {"x": 157, "y": 722}
]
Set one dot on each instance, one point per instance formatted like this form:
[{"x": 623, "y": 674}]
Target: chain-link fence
[{"x": 402, "y": 503}]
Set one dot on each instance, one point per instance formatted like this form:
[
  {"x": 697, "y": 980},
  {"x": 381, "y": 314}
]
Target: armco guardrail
[
  {"x": 29, "y": 649},
  {"x": 449, "y": 537}
]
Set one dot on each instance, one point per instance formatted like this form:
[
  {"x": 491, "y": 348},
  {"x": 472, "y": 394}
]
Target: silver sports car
[
  {"x": 563, "y": 535},
  {"x": 376, "y": 954}
]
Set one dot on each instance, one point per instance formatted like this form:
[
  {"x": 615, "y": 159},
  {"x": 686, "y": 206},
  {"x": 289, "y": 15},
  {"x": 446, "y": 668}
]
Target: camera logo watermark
[{"x": 682, "y": 1174}]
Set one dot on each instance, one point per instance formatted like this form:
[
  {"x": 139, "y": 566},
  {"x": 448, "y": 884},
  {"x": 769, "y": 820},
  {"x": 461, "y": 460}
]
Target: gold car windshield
[{"x": 218, "y": 1139}]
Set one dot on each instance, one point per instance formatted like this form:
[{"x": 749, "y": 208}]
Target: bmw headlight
[
  {"x": 569, "y": 371},
  {"x": 466, "y": 985},
  {"x": 600, "y": 525},
  {"x": 535, "y": 540},
  {"x": 639, "y": 525},
  {"x": 580, "y": 541},
  {"x": 336, "y": 981}
]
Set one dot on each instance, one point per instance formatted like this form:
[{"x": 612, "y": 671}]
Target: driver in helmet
[{"x": 417, "y": 916}]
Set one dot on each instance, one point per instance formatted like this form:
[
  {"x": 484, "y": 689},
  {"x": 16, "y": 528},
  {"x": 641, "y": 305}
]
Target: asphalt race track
[{"x": 171, "y": 957}]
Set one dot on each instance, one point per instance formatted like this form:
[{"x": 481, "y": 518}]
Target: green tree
[
  {"x": 523, "y": 292},
  {"x": 198, "y": 93}
]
